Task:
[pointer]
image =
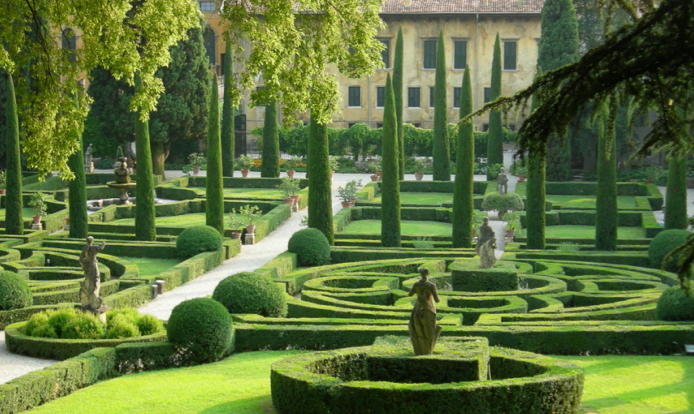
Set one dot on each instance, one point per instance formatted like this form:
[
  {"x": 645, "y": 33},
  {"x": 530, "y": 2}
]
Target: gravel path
[{"x": 13, "y": 366}]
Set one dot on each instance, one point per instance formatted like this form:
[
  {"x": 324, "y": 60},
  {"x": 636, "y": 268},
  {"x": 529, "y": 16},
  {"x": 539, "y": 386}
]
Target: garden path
[{"x": 13, "y": 365}]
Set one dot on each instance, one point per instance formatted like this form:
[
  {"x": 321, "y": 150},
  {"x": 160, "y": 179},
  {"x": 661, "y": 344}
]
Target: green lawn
[
  {"x": 408, "y": 228},
  {"x": 241, "y": 384},
  {"x": 184, "y": 220},
  {"x": 27, "y": 213},
  {"x": 588, "y": 201},
  {"x": 247, "y": 193},
  {"x": 588, "y": 232},
  {"x": 429, "y": 199},
  {"x": 151, "y": 267}
]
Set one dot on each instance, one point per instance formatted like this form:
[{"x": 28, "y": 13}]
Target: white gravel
[{"x": 13, "y": 366}]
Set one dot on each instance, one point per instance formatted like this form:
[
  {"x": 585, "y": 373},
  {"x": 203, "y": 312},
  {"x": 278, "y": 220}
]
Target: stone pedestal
[
  {"x": 155, "y": 291},
  {"x": 160, "y": 285},
  {"x": 250, "y": 238},
  {"x": 295, "y": 208},
  {"x": 36, "y": 226},
  {"x": 89, "y": 167},
  {"x": 468, "y": 277}
]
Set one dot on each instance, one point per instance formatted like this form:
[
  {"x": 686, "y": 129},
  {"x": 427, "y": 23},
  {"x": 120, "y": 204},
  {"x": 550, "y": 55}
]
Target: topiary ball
[
  {"x": 662, "y": 244},
  {"x": 198, "y": 239},
  {"x": 201, "y": 329},
  {"x": 14, "y": 291},
  {"x": 121, "y": 327},
  {"x": 675, "y": 305},
  {"x": 311, "y": 247},
  {"x": 251, "y": 293},
  {"x": 149, "y": 325}
]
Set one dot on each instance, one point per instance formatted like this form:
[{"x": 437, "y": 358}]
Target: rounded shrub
[
  {"x": 662, "y": 244},
  {"x": 675, "y": 305},
  {"x": 311, "y": 247},
  {"x": 83, "y": 326},
  {"x": 149, "y": 325},
  {"x": 60, "y": 318},
  {"x": 36, "y": 320},
  {"x": 122, "y": 327},
  {"x": 14, "y": 291},
  {"x": 129, "y": 314},
  {"x": 251, "y": 293},
  {"x": 201, "y": 328},
  {"x": 503, "y": 203},
  {"x": 198, "y": 239},
  {"x": 44, "y": 331}
]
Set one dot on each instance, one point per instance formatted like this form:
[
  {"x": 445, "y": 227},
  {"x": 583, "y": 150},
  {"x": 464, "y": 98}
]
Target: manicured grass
[
  {"x": 184, "y": 220},
  {"x": 241, "y": 384},
  {"x": 588, "y": 201},
  {"x": 408, "y": 228},
  {"x": 428, "y": 199},
  {"x": 151, "y": 267},
  {"x": 247, "y": 193},
  {"x": 588, "y": 232},
  {"x": 27, "y": 213}
]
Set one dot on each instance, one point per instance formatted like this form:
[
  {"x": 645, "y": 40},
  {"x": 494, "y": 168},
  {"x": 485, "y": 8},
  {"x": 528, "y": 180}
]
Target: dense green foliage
[
  {"x": 502, "y": 203},
  {"x": 535, "y": 200},
  {"x": 198, "y": 239},
  {"x": 14, "y": 291},
  {"x": 676, "y": 194},
  {"x": 270, "y": 167},
  {"x": 201, "y": 329},
  {"x": 320, "y": 210},
  {"x": 664, "y": 243},
  {"x": 463, "y": 206},
  {"x": 606, "y": 201},
  {"x": 145, "y": 228},
  {"x": 214, "y": 205},
  {"x": 441, "y": 146},
  {"x": 397, "y": 90},
  {"x": 83, "y": 326},
  {"x": 252, "y": 293},
  {"x": 390, "y": 188},
  {"x": 228, "y": 140},
  {"x": 14, "y": 223},
  {"x": 310, "y": 246},
  {"x": 495, "y": 145},
  {"x": 675, "y": 304},
  {"x": 78, "y": 194}
]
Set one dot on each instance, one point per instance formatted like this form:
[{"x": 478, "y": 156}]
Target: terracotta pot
[
  {"x": 37, "y": 219},
  {"x": 346, "y": 204},
  {"x": 2, "y": 191},
  {"x": 290, "y": 173},
  {"x": 521, "y": 178},
  {"x": 649, "y": 181},
  {"x": 196, "y": 170},
  {"x": 375, "y": 177},
  {"x": 379, "y": 174},
  {"x": 419, "y": 176},
  {"x": 235, "y": 235},
  {"x": 353, "y": 200},
  {"x": 289, "y": 200},
  {"x": 250, "y": 229},
  {"x": 509, "y": 233},
  {"x": 296, "y": 198},
  {"x": 244, "y": 173}
]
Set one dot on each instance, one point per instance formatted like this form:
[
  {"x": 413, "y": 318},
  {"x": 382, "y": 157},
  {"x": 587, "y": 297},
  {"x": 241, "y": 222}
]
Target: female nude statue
[
  {"x": 89, "y": 291},
  {"x": 424, "y": 331}
]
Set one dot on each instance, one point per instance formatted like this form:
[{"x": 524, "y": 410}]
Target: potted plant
[
  {"x": 419, "y": 166},
  {"x": 333, "y": 165},
  {"x": 288, "y": 187},
  {"x": 652, "y": 172},
  {"x": 502, "y": 203},
  {"x": 291, "y": 164},
  {"x": 197, "y": 160},
  {"x": 39, "y": 206},
  {"x": 374, "y": 168},
  {"x": 512, "y": 221},
  {"x": 521, "y": 171},
  {"x": 3, "y": 179},
  {"x": 477, "y": 217},
  {"x": 245, "y": 164},
  {"x": 356, "y": 184},
  {"x": 235, "y": 224},
  {"x": 348, "y": 192},
  {"x": 251, "y": 213}
]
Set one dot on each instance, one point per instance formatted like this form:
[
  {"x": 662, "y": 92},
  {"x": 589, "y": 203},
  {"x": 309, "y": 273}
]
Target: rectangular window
[
  {"x": 487, "y": 95},
  {"x": 207, "y": 6},
  {"x": 460, "y": 57},
  {"x": 485, "y": 127},
  {"x": 380, "y": 96},
  {"x": 351, "y": 124},
  {"x": 413, "y": 97},
  {"x": 456, "y": 97},
  {"x": 379, "y": 124},
  {"x": 385, "y": 53},
  {"x": 510, "y": 55},
  {"x": 430, "y": 54},
  {"x": 355, "y": 96},
  {"x": 431, "y": 97}
]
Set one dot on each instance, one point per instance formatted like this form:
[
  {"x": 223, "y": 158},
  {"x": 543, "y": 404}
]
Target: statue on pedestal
[
  {"x": 89, "y": 291},
  {"x": 486, "y": 243},
  {"x": 424, "y": 331},
  {"x": 503, "y": 182}
]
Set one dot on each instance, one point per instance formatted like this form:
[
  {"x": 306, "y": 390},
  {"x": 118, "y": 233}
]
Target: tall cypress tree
[
  {"x": 397, "y": 89},
  {"x": 535, "y": 194},
  {"x": 495, "y": 136},
  {"x": 78, "y": 194},
  {"x": 441, "y": 150},
  {"x": 463, "y": 207},
  {"x": 214, "y": 206},
  {"x": 390, "y": 189},
  {"x": 14, "y": 222},
  {"x": 271, "y": 143},
  {"x": 145, "y": 228},
  {"x": 676, "y": 195},
  {"x": 606, "y": 201},
  {"x": 228, "y": 117},
  {"x": 558, "y": 47},
  {"x": 320, "y": 207}
]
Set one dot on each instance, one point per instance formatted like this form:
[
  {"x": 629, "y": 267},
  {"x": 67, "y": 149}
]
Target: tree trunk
[{"x": 158, "y": 159}]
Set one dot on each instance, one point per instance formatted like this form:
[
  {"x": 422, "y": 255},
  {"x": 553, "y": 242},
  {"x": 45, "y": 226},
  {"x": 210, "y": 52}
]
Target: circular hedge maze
[
  {"x": 465, "y": 375},
  {"x": 545, "y": 306}
]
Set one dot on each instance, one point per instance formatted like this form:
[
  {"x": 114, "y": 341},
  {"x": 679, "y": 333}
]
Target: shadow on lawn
[{"x": 262, "y": 404}]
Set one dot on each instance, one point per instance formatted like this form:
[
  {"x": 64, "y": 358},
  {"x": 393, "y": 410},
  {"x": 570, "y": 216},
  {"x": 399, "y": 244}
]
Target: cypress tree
[
  {"x": 320, "y": 203},
  {"x": 390, "y": 188},
  {"x": 78, "y": 193},
  {"x": 463, "y": 208},
  {"x": 227, "y": 118},
  {"x": 397, "y": 89},
  {"x": 214, "y": 206},
  {"x": 14, "y": 222},
  {"x": 535, "y": 194},
  {"x": 676, "y": 195},
  {"x": 271, "y": 143},
  {"x": 145, "y": 228},
  {"x": 441, "y": 150},
  {"x": 495, "y": 136},
  {"x": 606, "y": 202}
]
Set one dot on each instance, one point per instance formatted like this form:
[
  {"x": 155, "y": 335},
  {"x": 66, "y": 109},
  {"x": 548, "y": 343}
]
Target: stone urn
[
  {"x": 196, "y": 169},
  {"x": 290, "y": 173},
  {"x": 250, "y": 229},
  {"x": 375, "y": 177},
  {"x": 244, "y": 173}
]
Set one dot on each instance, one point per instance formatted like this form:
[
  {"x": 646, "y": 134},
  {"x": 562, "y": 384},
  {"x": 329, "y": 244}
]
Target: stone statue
[
  {"x": 486, "y": 243},
  {"x": 88, "y": 157},
  {"x": 424, "y": 331},
  {"x": 89, "y": 291},
  {"x": 503, "y": 182},
  {"x": 122, "y": 172}
]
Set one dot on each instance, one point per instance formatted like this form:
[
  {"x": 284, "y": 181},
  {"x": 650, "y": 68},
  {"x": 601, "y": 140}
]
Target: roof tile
[{"x": 461, "y": 6}]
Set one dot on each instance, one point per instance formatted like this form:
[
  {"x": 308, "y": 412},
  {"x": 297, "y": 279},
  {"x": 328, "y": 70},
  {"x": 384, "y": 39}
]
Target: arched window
[
  {"x": 209, "y": 37},
  {"x": 69, "y": 41}
]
